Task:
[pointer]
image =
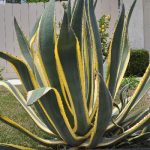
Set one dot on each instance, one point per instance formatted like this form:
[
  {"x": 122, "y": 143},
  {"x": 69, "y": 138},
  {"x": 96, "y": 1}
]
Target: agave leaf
[
  {"x": 123, "y": 101},
  {"x": 66, "y": 81},
  {"x": 86, "y": 57},
  {"x": 115, "y": 54},
  {"x": 132, "y": 116},
  {"x": 21, "y": 69},
  {"x": 114, "y": 140},
  {"x": 124, "y": 63},
  {"x": 57, "y": 114},
  {"x": 139, "y": 117},
  {"x": 116, "y": 109},
  {"x": 140, "y": 138},
  {"x": 103, "y": 117},
  {"x": 39, "y": 71},
  {"x": 33, "y": 96},
  {"x": 28, "y": 80},
  {"x": 140, "y": 91},
  {"x": 33, "y": 37},
  {"x": 95, "y": 3},
  {"x": 35, "y": 28},
  {"x": 76, "y": 21},
  {"x": 26, "y": 51},
  {"x": 142, "y": 88},
  {"x": 46, "y": 47},
  {"x": 121, "y": 97},
  {"x": 85, "y": 49},
  {"x": 64, "y": 85},
  {"x": 146, "y": 129},
  {"x": 46, "y": 36},
  {"x": 95, "y": 36},
  {"x": 47, "y": 42},
  {"x": 95, "y": 53},
  {"x": 130, "y": 12},
  {"x": 133, "y": 119},
  {"x": 69, "y": 62},
  {"x": 94, "y": 103},
  {"x": 24, "y": 46},
  {"x": 5, "y": 146},
  {"x": 14, "y": 91},
  {"x": 66, "y": 92},
  {"x": 125, "y": 56},
  {"x": 28, "y": 133},
  {"x": 74, "y": 5}
]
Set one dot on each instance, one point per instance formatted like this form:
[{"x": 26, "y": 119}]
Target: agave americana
[{"x": 73, "y": 91}]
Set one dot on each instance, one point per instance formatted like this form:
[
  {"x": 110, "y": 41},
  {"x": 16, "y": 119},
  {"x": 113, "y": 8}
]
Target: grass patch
[{"x": 11, "y": 108}]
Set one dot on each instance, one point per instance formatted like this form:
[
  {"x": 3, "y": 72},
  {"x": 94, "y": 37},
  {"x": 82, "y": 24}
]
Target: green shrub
[
  {"x": 138, "y": 63},
  {"x": 36, "y": 1},
  {"x": 1, "y": 70},
  {"x": 132, "y": 81},
  {"x": 13, "y": 1}
]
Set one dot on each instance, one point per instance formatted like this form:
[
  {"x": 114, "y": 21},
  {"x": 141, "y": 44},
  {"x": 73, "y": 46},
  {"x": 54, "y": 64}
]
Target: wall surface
[
  {"x": 27, "y": 14},
  {"x": 136, "y": 28}
]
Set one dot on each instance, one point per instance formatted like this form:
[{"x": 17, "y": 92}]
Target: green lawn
[{"x": 10, "y": 107}]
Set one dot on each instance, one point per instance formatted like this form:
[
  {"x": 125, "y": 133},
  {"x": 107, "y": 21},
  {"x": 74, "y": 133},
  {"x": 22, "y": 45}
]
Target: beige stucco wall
[{"x": 146, "y": 6}]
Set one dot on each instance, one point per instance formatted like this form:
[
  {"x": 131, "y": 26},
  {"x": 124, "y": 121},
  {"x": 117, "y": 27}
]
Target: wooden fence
[{"x": 26, "y": 15}]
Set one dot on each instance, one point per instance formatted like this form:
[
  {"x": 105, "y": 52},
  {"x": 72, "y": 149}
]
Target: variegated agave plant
[{"x": 66, "y": 81}]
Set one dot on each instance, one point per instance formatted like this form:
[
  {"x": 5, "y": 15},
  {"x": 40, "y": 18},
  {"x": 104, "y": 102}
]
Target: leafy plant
[
  {"x": 65, "y": 78},
  {"x": 132, "y": 81},
  {"x": 103, "y": 28},
  {"x": 1, "y": 71},
  {"x": 138, "y": 63},
  {"x": 13, "y": 1}
]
